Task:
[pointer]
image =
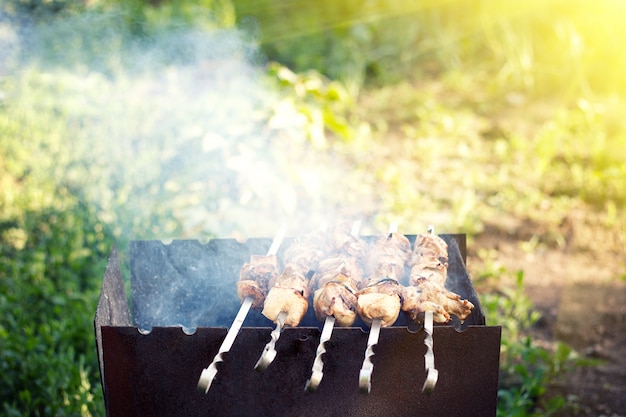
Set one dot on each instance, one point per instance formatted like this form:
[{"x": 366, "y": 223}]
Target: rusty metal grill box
[{"x": 183, "y": 299}]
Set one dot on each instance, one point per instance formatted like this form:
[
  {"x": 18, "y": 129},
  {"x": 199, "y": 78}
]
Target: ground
[
  {"x": 579, "y": 289},
  {"x": 574, "y": 261}
]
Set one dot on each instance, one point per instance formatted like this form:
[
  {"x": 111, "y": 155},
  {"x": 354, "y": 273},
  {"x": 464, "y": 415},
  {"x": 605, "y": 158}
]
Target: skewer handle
[
  {"x": 365, "y": 375},
  {"x": 269, "y": 352},
  {"x": 429, "y": 358},
  {"x": 318, "y": 365},
  {"x": 208, "y": 374},
  {"x": 278, "y": 240}
]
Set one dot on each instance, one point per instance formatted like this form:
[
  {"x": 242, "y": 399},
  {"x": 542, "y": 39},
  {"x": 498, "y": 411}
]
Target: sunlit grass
[
  {"x": 425, "y": 112},
  {"x": 552, "y": 48}
]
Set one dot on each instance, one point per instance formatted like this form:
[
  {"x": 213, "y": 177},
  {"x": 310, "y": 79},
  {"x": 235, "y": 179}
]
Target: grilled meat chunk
[
  {"x": 427, "y": 291},
  {"x": 381, "y": 300},
  {"x": 286, "y": 300},
  {"x": 430, "y": 246},
  {"x": 289, "y": 294},
  {"x": 249, "y": 288},
  {"x": 337, "y": 281},
  {"x": 382, "y": 297},
  {"x": 255, "y": 278},
  {"x": 430, "y": 269},
  {"x": 339, "y": 277},
  {"x": 389, "y": 246},
  {"x": 338, "y": 300},
  {"x": 386, "y": 266},
  {"x": 414, "y": 306},
  {"x": 345, "y": 243},
  {"x": 289, "y": 291},
  {"x": 339, "y": 268},
  {"x": 305, "y": 253}
]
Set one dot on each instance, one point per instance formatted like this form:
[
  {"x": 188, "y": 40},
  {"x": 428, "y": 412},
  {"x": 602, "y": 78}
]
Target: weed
[
  {"x": 526, "y": 368},
  {"x": 457, "y": 142}
]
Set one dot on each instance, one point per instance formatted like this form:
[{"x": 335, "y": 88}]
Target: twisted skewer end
[
  {"x": 265, "y": 360},
  {"x": 269, "y": 353},
  {"x": 314, "y": 382},
  {"x": 206, "y": 379},
  {"x": 431, "y": 381},
  {"x": 365, "y": 381}
]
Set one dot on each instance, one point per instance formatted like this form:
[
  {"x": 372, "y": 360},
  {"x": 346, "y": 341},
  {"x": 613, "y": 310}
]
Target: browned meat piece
[
  {"x": 339, "y": 268},
  {"x": 339, "y": 277},
  {"x": 249, "y": 288},
  {"x": 382, "y": 297},
  {"x": 289, "y": 294},
  {"x": 289, "y": 291},
  {"x": 261, "y": 269},
  {"x": 286, "y": 300},
  {"x": 430, "y": 296},
  {"x": 430, "y": 269},
  {"x": 344, "y": 242},
  {"x": 291, "y": 277},
  {"x": 414, "y": 305},
  {"x": 430, "y": 246},
  {"x": 305, "y": 253},
  {"x": 338, "y": 300},
  {"x": 255, "y": 277},
  {"x": 337, "y": 281},
  {"x": 393, "y": 244},
  {"x": 449, "y": 300},
  {"x": 386, "y": 266},
  {"x": 380, "y": 301},
  {"x": 427, "y": 281}
]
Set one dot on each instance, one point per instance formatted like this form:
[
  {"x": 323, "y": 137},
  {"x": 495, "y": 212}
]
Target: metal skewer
[
  {"x": 208, "y": 374},
  {"x": 329, "y": 323},
  {"x": 318, "y": 365},
  {"x": 429, "y": 358},
  {"x": 269, "y": 352},
  {"x": 365, "y": 375}
]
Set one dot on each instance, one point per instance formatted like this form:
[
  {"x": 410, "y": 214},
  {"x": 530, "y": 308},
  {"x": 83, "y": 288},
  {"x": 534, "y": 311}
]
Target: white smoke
[{"x": 177, "y": 135}]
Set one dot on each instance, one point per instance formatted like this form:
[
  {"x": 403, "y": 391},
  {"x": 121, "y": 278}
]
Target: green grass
[
  {"x": 526, "y": 368},
  {"x": 435, "y": 113}
]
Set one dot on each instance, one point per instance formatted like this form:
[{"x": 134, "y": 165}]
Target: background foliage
[{"x": 153, "y": 119}]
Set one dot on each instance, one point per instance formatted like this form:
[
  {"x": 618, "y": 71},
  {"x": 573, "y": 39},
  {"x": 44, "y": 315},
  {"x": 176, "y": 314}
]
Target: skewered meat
[
  {"x": 305, "y": 253},
  {"x": 381, "y": 300},
  {"x": 389, "y": 251},
  {"x": 343, "y": 241},
  {"x": 429, "y": 269},
  {"x": 427, "y": 291},
  {"x": 431, "y": 246},
  {"x": 339, "y": 277},
  {"x": 386, "y": 266},
  {"x": 382, "y": 297},
  {"x": 289, "y": 291},
  {"x": 251, "y": 289},
  {"x": 414, "y": 303},
  {"x": 337, "y": 282},
  {"x": 430, "y": 296},
  {"x": 255, "y": 278},
  {"x": 289, "y": 294}
]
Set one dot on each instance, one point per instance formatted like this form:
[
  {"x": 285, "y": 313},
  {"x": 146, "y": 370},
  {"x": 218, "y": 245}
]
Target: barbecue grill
[{"x": 183, "y": 298}]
